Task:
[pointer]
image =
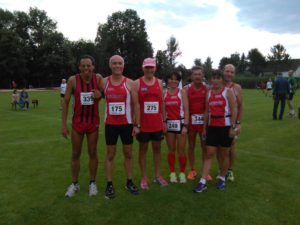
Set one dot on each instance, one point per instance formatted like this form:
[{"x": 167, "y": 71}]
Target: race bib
[
  {"x": 86, "y": 98},
  {"x": 151, "y": 107},
  {"x": 197, "y": 119},
  {"x": 116, "y": 108},
  {"x": 173, "y": 125}
]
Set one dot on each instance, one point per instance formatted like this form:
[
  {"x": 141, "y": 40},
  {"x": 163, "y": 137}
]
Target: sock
[
  {"x": 230, "y": 169},
  {"x": 299, "y": 113},
  {"x": 222, "y": 178},
  {"x": 92, "y": 181},
  {"x": 75, "y": 182},
  {"x": 109, "y": 183},
  {"x": 202, "y": 181},
  {"x": 182, "y": 163},
  {"x": 171, "y": 160}
]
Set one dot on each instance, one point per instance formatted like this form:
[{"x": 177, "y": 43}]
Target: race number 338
[
  {"x": 151, "y": 107},
  {"x": 86, "y": 98},
  {"x": 116, "y": 108}
]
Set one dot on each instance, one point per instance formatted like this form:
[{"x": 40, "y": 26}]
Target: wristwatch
[{"x": 137, "y": 125}]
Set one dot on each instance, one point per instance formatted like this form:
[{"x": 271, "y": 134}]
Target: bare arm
[
  {"x": 205, "y": 122},
  {"x": 65, "y": 106},
  {"x": 232, "y": 106},
  {"x": 134, "y": 86},
  {"x": 163, "y": 106},
  {"x": 240, "y": 103},
  {"x": 186, "y": 110}
]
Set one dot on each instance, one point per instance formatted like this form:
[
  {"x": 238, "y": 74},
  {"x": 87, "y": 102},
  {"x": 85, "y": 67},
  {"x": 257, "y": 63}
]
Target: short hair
[
  {"x": 197, "y": 68},
  {"x": 86, "y": 57},
  {"x": 217, "y": 74},
  {"x": 174, "y": 73}
]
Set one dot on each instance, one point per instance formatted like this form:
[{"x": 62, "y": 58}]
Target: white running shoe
[
  {"x": 93, "y": 190},
  {"x": 72, "y": 189},
  {"x": 182, "y": 178},
  {"x": 173, "y": 178}
]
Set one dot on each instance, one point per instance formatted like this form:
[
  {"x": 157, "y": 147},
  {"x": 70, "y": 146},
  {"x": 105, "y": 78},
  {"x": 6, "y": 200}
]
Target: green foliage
[
  {"x": 35, "y": 172},
  {"x": 279, "y": 58},
  {"x": 256, "y": 61},
  {"x": 124, "y": 34}
]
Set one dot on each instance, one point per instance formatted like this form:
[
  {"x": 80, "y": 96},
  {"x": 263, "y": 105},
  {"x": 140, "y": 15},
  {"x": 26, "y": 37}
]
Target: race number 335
[
  {"x": 151, "y": 107},
  {"x": 86, "y": 98},
  {"x": 116, "y": 108}
]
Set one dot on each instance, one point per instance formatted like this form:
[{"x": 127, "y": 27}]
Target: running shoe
[
  {"x": 182, "y": 178},
  {"x": 161, "y": 181},
  {"x": 192, "y": 174},
  {"x": 72, "y": 189},
  {"x": 173, "y": 177},
  {"x": 220, "y": 184},
  {"x": 229, "y": 175},
  {"x": 144, "y": 184},
  {"x": 109, "y": 192},
  {"x": 132, "y": 188},
  {"x": 93, "y": 190},
  {"x": 200, "y": 187},
  {"x": 209, "y": 178}
]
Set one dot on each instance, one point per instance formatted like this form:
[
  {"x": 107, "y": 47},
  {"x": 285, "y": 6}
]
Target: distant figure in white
[
  {"x": 269, "y": 87},
  {"x": 63, "y": 88}
]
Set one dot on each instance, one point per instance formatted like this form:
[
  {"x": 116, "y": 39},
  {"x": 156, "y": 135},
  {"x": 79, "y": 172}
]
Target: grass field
[{"x": 35, "y": 172}]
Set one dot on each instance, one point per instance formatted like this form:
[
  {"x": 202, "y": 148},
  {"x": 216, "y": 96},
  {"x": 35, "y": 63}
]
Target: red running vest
[
  {"x": 118, "y": 104},
  {"x": 150, "y": 99}
]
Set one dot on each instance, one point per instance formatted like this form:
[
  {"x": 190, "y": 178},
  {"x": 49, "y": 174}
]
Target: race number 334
[{"x": 151, "y": 107}]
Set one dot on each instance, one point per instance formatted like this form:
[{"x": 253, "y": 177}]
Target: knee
[
  {"x": 93, "y": 154},
  {"x": 75, "y": 155},
  {"x": 128, "y": 155}
]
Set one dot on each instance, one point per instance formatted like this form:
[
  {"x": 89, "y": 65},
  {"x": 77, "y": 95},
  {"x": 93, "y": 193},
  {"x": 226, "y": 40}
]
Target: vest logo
[
  {"x": 110, "y": 89},
  {"x": 144, "y": 89}
]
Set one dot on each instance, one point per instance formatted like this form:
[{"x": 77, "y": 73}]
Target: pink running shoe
[
  {"x": 144, "y": 183},
  {"x": 161, "y": 181}
]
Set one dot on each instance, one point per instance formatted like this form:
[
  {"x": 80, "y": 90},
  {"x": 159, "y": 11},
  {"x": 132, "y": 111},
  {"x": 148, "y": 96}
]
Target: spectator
[{"x": 280, "y": 92}]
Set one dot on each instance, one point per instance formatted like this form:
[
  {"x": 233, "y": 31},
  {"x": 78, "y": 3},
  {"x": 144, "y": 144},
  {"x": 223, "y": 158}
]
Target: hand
[
  {"x": 65, "y": 132},
  {"x": 238, "y": 129},
  {"x": 164, "y": 127},
  {"x": 232, "y": 132},
  {"x": 184, "y": 131},
  {"x": 96, "y": 94},
  {"x": 135, "y": 131}
]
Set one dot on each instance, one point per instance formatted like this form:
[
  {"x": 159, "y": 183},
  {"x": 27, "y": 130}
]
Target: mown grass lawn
[{"x": 35, "y": 172}]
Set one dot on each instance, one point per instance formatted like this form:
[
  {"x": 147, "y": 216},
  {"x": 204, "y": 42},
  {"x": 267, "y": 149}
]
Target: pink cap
[{"x": 149, "y": 62}]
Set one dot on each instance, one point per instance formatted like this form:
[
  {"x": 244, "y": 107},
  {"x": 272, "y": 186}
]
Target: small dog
[{"x": 35, "y": 102}]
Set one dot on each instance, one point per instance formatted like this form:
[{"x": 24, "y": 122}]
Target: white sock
[
  {"x": 202, "y": 181},
  {"x": 222, "y": 178}
]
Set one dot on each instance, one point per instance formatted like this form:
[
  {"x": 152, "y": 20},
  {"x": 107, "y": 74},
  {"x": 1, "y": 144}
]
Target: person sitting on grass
[{"x": 24, "y": 98}]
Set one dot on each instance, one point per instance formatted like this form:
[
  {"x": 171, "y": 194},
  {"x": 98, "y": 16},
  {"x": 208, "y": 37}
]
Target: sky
[{"x": 214, "y": 28}]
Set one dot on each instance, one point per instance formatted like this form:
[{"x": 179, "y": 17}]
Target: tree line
[{"x": 34, "y": 53}]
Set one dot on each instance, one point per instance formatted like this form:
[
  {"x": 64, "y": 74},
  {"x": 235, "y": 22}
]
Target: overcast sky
[{"x": 203, "y": 28}]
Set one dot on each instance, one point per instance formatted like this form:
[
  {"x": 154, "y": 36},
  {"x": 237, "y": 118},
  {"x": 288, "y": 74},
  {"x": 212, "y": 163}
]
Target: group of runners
[{"x": 142, "y": 109}]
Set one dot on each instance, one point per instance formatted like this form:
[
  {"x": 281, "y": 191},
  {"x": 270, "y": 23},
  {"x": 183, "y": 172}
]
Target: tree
[
  {"x": 163, "y": 66},
  {"x": 172, "y": 51},
  {"x": 256, "y": 61},
  {"x": 279, "y": 58},
  {"x": 125, "y": 34},
  {"x": 242, "y": 64},
  {"x": 197, "y": 62},
  {"x": 207, "y": 66},
  {"x": 234, "y": 59}
]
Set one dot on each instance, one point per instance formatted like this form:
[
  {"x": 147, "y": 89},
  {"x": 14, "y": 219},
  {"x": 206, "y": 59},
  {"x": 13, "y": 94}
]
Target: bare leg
[
  {"x": 127, "y": 151},
  {"x": 210, "y": 152},
  {"x": 191, "y": 149},
  {"x": 156, "y": 146},
  {"x": 92, "y": 139},
  {"x": 110, "y": 155},
  {"x": 76, "y": 152},
  {"x": 143, "y": 147}
]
